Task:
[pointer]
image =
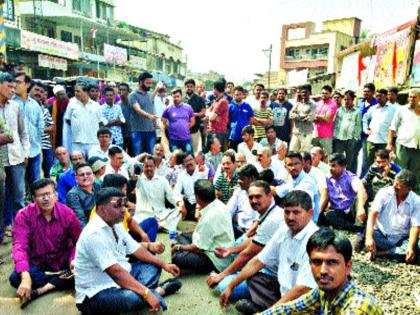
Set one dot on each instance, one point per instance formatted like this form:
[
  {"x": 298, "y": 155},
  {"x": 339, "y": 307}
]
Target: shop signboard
[
  {"x": 52, "y": 62},
  {"x": 115, "y": 55},
  {"x": 137, "y": 62},
  {"x": 50, "y": 46}
]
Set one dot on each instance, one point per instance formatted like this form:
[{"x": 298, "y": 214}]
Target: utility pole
[{"x": 269, "y": 51}]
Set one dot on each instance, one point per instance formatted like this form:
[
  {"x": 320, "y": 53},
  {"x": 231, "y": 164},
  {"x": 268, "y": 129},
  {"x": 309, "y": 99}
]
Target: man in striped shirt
[{"x": 263, "y": 117}]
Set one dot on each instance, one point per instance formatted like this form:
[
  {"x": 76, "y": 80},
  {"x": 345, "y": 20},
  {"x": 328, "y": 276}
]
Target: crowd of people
[{"x": 87, "y": 182}]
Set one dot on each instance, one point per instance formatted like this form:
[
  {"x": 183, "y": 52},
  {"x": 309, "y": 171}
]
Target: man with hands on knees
[
  {"x": 106, "y": 283},
  {"x": 44, "y": 240}
]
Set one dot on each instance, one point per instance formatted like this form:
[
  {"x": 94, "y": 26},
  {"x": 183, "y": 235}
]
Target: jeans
[
  {"x": 150, "y": 226},
  {"x": 143, "y": 141},
  {"x": 184, "y": 145},
  {"x": 47, "y": 161},
  {"x": 34, "y": 169},
  {"x": 119, "y": 300},
  {"x": 40, "y": 278},
  {"x": 15, "y": 191},
  {"x": 239, "y": 292},
  {"x": 395, "y": 249}
]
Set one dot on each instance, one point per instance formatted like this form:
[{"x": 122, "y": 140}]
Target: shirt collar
[
  {"x": 39, "y": 212},
  {"x": 301, "y": 235},
  {"x": 340, "y": 297},
  {"x": 98, "y": 222},
  {"x": 267, "y": 212}
]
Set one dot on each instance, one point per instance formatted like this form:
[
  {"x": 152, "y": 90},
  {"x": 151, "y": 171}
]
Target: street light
[{"x": 268, "y": 52}]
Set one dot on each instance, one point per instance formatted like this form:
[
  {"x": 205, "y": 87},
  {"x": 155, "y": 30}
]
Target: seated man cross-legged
[
  {"x": 44, "y": 240},
  {"x": 214, "y": 230},
  {"x": 106, "y": 283}
]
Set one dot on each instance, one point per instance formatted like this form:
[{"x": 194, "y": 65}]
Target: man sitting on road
[
  {"x": 226, "y": 182},
  {"x": 286, "y": 252},
  {"x": 44, "y": 241},
  {"x": 214, "y": 230},
  {"x": 106, "y": 283},
  {"x": 67, "y": 180},
  {"x": 62, "y": 165},
  {"x": 394, "y": 220},
  {"x": 271, "y": 218},
  {"x": 330, "y": 259}
]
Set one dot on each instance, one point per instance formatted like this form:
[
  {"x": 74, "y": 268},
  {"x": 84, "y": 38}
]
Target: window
[
  {"x": 82, "y": 7},
  {"x": 77, "y": 40},
  {"x": 66, "y": 37},
  {"x": 104, "y": 11},
  {"x": 9, "y": 10}
]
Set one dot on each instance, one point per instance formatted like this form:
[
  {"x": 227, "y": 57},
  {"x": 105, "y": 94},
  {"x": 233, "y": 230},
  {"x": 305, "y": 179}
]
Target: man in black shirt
[{"x": 198, "y": 105}]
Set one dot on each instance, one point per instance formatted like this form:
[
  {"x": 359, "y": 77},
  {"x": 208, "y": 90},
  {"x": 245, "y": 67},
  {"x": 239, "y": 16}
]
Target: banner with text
[
  {"x": 52, "y": 62},
  {"x": 115, "y": 55}
]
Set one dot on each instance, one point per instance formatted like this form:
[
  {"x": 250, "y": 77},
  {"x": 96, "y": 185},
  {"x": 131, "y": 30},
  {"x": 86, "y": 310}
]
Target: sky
[{"x": 228, "y": 36}]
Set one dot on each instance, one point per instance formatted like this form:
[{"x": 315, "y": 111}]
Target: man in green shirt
[
  {"x": 63, "y": 163},
  {"x": 214, "y": 230}
]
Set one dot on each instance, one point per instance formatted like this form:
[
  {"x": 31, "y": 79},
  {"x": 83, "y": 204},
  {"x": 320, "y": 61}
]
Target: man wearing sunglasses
[
  {"x": 44, "y": 244},
  {"x": 81, "y": 198}
]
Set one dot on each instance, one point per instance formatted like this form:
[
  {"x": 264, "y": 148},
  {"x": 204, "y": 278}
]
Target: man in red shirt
[
  {"x": 218, "y": 114},
  {"x": 44, "y": 244}
]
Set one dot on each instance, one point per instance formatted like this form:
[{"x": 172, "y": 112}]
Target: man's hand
[
  {"x": 153, "y": 301},
  {"x": 153, "y": 118},
  {"x": 410, "y": 255},
  {"x": 389, "y": 147},
  {"x": 201, "y": 168},
  {"x": 222, "y": 252},
  {"x": 224, "y": 297},
  {"x": 361, "y": 215},
  {"x": 25, "y": 288},
  {"x": 370, "y": 244},
  {"x": 387, "y": 168},
  {"x": 5, "y": 139},
  {"x": 72, "y": 265},
  {"x": 214, "y": 279},
  {"x": 182, "y": 210},
  {"x": 172, "y": 269},
  {"x": 157, "y": 247}
]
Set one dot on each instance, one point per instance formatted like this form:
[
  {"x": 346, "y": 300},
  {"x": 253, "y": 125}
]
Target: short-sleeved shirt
[
  {"x": 261, "y": 114},
  {"x": 375, "y": 179},
  {"x": 221, "y": 108},
  {"x": 406, "y": 124},
  {"x": 268, "y": 223},
  {"x": 126, "y": 110},
  {"x": 214, "y": 230},
  {"x": 240, "y": 209},
  {"x": 225, "y": 186},
  {"x": 289, "y": 254},
  {"x": 325, "y": 129},
  {"x": 111, "y": 113},
  {"x": 96, "y": 251},
  {"x": 395, "y": 221},
  {"x": 251, "y": 158},
  {"x": 343, "y": 190},
  {"x": 84, "y": 120},
  {"x": 281, "y": 119},
  {"x": 178, "y": 117},
  {"x": 272, "y": 147},
  {"x": 239, "y": 117},
  {"x": 197, "y": 103},
  {"x": 136, "y": 121}
]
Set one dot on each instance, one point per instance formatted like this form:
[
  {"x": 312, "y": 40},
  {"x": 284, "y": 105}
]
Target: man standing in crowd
[
  {"x": 406, "y": 127},
  {"x": 114, "y": 116},
  {"x": 218, "y": 113},
  {"x": 106, "y": 283},
  {"x": 214, "y": 230},
  {"x": 368, "y": 100},
  {"x": 240, "y": 116},
  {"x": 34, "y": 119},
  {"x": 44, "y": 244},
  {"x": 303, "y": 115},
  {"x": 85, "y": 117},
  {"x": 177, "y": 119},
  {"x": 93, "y": 91},
  {"x": 59, "y": 106},
  {"x": 281, "y": 110},
  {"x": 376, "y": 123},
  {"x": 263, "y": 117},
  {"x": 198, "y": 105},
  {"x": 330, "y": 259},
  {"x": 143, "y": 119},
  {"x": 393, "y": 95},
  {"x": 286, "y": 252},
  {"x": 124, "y": 90},
  {"x": 14, "y": 154},
  {"x": 324, "y": 120},
  {"x": 254, "y": 100},
  {"x": 347, "y": 131}
]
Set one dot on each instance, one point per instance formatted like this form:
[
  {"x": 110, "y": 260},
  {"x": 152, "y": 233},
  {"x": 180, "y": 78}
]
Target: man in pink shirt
[
  {"x": 324, "y": 121},
  {"x": 218, "y": 114},
  {"x": 44, "y": 244}
]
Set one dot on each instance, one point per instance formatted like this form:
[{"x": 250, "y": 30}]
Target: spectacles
[
  {"x": 46, "y": 194},
  {"x": 85, "y": 174},
  {"x": 119, "y": 203}
]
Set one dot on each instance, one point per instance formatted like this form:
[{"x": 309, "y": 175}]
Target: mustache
[{"x": 324, "y": 277}]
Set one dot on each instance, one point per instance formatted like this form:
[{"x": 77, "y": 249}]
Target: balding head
[
  {"x": 77, "y": 157},
  {"x": 240, "y": 159}
]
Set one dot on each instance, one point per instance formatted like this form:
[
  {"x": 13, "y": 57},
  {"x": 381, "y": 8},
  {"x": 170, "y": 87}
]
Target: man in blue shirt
[
  {"x": 67, "y": 180},
  {"x": 240, "y": 115},
  {"x": 367, "y": 101}
]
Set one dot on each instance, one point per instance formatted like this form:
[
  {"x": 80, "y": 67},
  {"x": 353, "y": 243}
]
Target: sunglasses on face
[{"x": 122, "y": 202}]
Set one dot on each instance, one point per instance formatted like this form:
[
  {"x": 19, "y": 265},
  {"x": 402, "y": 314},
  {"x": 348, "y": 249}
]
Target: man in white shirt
[
  {"x": 265, "y": 162},
  {"x": 116, "y": 161},
  {"x": 152, "y": 190},
  {"x": 287, "y": 251},
  {"x": 106, "y": 283},
  {"x": 184, "y": 187},
  {"x": 279, "y": 157},
  {"x": 249, "y": 147},
  {"x": 317, "y": 155},
  {"x": 85, "y": 117}
]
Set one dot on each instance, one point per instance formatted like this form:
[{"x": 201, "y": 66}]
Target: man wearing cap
[
  {"x": 98, "y": 168},
  {"x": 59, "y": 104},
  {"x": 14, "y": 154},
  {"x": 85, "y": 117}
]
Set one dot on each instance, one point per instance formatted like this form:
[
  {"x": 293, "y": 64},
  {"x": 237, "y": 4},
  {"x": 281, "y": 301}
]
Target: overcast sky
[{"x": 228, "y": 36}]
